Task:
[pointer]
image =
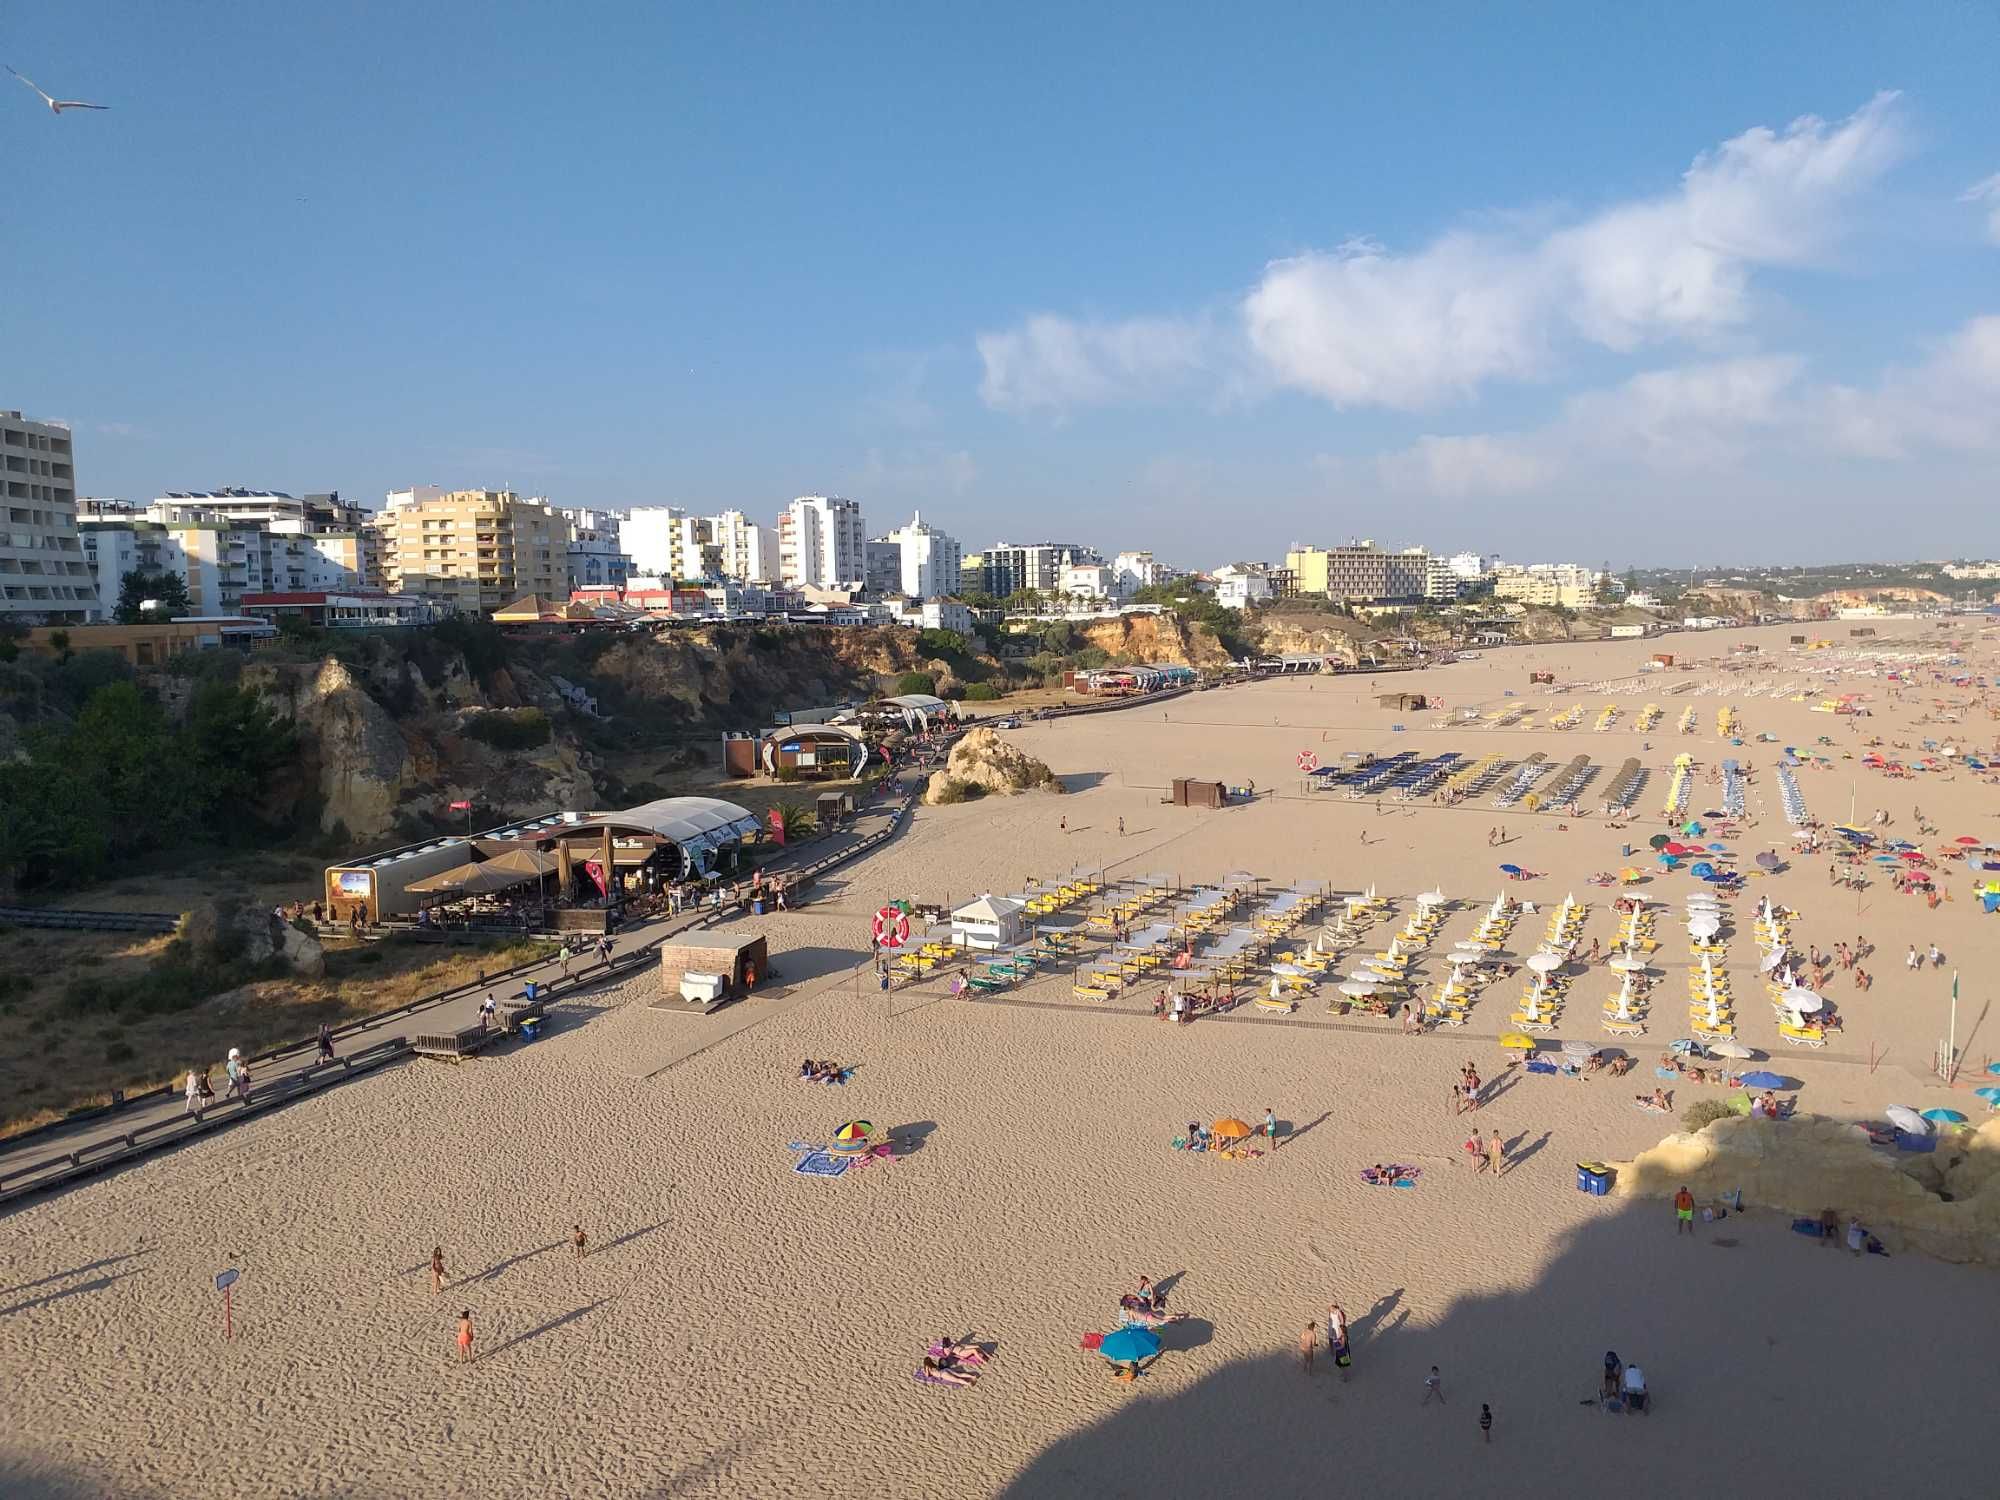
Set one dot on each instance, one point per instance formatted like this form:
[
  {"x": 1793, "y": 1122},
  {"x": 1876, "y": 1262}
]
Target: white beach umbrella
[
  {"x": 1577, "y": 1047},
  {"x": 1771, "y": 960},
  {"x": 1545, "y": 963},
  {"x": 1805, "y": 1002},
  {"x": 1908, "y": 1119},
  {"x": 1430, "y": 898},
  {"x": 1357, "y": 989},
  {"x": 1629, "y": 964},
  {"x": 1731, "y": 1049}
]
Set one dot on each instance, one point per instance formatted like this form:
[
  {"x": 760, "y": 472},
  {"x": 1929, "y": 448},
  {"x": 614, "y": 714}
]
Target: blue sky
[{"x": 1718, "y": 284}]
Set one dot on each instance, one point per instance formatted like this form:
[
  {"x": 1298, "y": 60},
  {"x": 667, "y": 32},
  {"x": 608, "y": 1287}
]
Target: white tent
[{"x": 990, "y": 922}]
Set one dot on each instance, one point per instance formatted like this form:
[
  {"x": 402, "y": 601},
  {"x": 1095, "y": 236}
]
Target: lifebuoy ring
[
  {"x": 892, "y": 927},
  {"x": 1308, "y": 761}
]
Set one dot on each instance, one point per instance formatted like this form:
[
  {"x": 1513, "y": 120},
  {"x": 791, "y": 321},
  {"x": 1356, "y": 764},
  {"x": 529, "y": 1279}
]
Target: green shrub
[
  {"x": 981, "y": 692},
  {"x": 952, "y": 791},
  {"x": 1704, "y": 1112},
  {"x": 511, "y": 728},
  {"x": 917, "y": 682}
]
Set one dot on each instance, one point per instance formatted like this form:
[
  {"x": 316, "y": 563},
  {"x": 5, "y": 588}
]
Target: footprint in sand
[{"x": 1314, "y": 1251}]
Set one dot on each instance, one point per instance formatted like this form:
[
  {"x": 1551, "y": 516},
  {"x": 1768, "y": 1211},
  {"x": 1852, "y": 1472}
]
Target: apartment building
[
  {"x": 748, "y": 551},
  {"x": 597, "y": 557},
  {"x": 1007, "y": 567},
  {"x": 1566, "y": 584},
  {"x": 929, "y": 563},
  {"x": 44, "y": 579},
  {"x": 822, "y": 542},
  {"x": 1359, "y": 571},
  {"x": 475, "y": 551},
  {"x": 882, "y": 568}
]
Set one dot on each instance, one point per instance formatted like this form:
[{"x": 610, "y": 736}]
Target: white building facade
[
  {"x": 929, "y": 561},
  {"x": 749, "y": 552},
  {"x": 44, "y": 579},
  {"x": 596, "y": 554},
  {"x": 822, "y": 542}
]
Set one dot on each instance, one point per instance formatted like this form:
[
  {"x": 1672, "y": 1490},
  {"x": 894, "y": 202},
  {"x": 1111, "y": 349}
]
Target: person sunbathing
[
  {"x": 951, "y": 1351},
  {"x": 938, "y": 1369},
  {"x": 809, "y": 1071},
  {"x": 1656, "y": 1100},
  {"x": 1620, "y": 1066}
]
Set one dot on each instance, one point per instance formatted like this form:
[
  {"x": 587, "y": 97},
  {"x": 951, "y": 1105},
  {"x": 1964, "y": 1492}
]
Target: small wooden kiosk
[{"x": 710, "y": 969}]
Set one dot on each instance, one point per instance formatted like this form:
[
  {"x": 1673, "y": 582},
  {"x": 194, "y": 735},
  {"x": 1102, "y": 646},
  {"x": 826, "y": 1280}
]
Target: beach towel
[
  {"x": 819, "y": 1164},
  {"x": 1541, "y": 1067},
  {"x": 1650, "y": 1107}
]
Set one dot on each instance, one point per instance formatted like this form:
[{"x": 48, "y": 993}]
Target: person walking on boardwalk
[
  {"x": 325, "y": 1042},
  {"x": 195, "y": 1102}
]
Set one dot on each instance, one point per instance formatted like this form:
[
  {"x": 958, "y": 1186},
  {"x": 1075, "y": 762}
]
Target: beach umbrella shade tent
[
  {"x": 1768, "y": 861},
  {"x": 1765, "y": 1080},
  {"x": 1905, "y": 1118},
  {"x": 1430, "y": 898},
  {"x": 1731, "y": 1049},
  {"x": 1577, "y": 1047},
  {"x": 1358, "y": 989},
  {"x": 1627, "y": 963},
  {"x": 1990, "y": 1093},
  {"x": 1510, "y": 869},
  {"x": 1805, "y": 1002},
  {"x": 1771, "y": 960},
  {"x": 851, "y": 1139},
  {"x": 1517, "y": 1041},
  {"x": 1658, "y": 842},
  {"x": 1229, "y": 1129},
  {"x": 1129, "y": 1345},
  {"x": 1944, "y": 1117}
]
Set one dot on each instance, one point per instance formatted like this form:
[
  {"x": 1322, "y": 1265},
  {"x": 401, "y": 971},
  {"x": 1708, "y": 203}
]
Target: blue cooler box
[{"x": 1594, "y": 1178}]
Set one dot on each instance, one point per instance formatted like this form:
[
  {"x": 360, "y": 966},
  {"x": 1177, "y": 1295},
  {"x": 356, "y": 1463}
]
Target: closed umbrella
[
  {"x": 1902, "y": 1115},
  {"x": 1625, "y": 999},
  {"x": 1129, "y": 1345}
]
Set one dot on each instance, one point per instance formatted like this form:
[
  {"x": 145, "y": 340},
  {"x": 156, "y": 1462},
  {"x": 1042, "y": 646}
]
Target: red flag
[{"x": 461, "y": 807}]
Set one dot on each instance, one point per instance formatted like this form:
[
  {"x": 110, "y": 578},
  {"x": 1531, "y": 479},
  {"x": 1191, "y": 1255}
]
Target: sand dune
[{"x": 741, "y": 1330}]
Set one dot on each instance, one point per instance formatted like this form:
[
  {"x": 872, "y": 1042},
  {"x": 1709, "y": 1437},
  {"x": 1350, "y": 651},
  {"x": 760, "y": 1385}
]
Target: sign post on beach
[{"x": 224, "y": 1280}]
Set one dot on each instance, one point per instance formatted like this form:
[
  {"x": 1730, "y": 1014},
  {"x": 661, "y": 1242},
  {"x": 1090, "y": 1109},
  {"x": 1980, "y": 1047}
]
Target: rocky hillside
[
  {"x": 1155, "y": 640},
  {"x": 392, "y": 731}
]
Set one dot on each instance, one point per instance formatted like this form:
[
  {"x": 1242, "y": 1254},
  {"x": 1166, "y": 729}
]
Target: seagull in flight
[{"x": 57, "y": 106}]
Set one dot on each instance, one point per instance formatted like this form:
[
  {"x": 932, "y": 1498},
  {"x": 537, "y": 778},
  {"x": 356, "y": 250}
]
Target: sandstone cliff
[{"x": 1155, "y": 640}]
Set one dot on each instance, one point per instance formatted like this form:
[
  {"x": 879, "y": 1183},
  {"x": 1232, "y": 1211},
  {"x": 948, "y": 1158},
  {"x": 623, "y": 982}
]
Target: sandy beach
[{"x": 742, "y": 1330}]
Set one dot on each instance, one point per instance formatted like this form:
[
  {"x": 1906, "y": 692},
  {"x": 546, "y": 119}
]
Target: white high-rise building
[
  {"x": 44, "y": 578},
  {"x": 929, "y": 560},
  {"x": 822, "y": 543},
  {"x": 1138, "y": 570},
  {"x": 1469, "y": 566},
  {"x": 749, "y": 551},
  {"x": 650, "y": 535}
]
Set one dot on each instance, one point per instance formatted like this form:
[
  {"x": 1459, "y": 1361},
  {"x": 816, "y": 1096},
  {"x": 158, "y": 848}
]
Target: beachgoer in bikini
[
  {"x": 437, "y": 1268},
  {"x": 465, "y": 1335}
]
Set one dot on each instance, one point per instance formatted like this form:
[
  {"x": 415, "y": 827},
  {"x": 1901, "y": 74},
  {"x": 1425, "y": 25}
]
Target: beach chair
[
  {"x": 1617, "y": 1027},
  {"x": 1798, "y": 1036}
]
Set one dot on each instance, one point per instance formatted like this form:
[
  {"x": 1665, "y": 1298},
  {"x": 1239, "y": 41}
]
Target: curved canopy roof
[
  {"x": 924, "y": 701},
  {"x": 695, "y": 823}
]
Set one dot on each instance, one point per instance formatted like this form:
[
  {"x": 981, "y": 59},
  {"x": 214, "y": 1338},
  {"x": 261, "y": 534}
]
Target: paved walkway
[{"x": 47, "y": 1157}]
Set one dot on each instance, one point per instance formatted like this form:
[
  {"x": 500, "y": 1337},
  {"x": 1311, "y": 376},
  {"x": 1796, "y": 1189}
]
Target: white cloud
[
  {"x": 1365, "y": 326},
  {"x": 1054, "y": 362},
  {"x": 1477, "y": 464},
  {"x": 1718, "y": 416},
  {"x": 1987, "y": 193}
]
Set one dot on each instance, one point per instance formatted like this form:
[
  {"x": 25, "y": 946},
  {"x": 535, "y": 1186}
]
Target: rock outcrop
[
  {"x": 981, "y": 763},
  {"x": 1155, "y": 640},
  {"x": 1945, "y": 1204},
  {"x": 250, "y": 934}
]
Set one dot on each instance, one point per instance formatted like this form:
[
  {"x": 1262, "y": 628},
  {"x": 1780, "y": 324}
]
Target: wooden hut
[
  {"x": 1402, "y": 702},
  {"x": 1188, "y": 792},
  {"x": 738, "y": 960}
]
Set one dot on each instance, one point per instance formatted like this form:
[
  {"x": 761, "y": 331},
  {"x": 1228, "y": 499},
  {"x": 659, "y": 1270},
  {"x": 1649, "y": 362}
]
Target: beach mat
[{"x": 819, "y": 1164}]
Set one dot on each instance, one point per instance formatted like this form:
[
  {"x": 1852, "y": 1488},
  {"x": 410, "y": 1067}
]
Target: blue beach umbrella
[
  {"x": 1944, "y": 1117},
  {"x": 1129, "y": 1345},
  {"x": 1990, "y": 1094},
  {"x": 1765, "y": 1080},
  {"x": 1510, "y": 869}
]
